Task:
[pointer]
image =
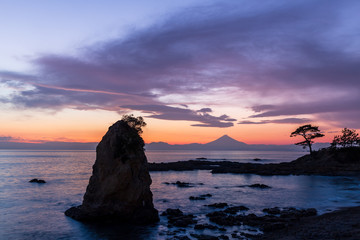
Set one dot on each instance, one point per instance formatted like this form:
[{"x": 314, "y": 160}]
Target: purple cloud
[
  {"x": 342, "y": 112},
  {"x": 310, "y": 107},
  {"x": 205, "y": 110},
  {"x": 175, "y": 113},
  {"x": 292, "y": 51},
  {"x": 349, "y": 119}
]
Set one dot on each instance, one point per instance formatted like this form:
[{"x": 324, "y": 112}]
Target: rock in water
[
  {"x": 35, "y": 180},
  {"x": 119, "y": 187}
]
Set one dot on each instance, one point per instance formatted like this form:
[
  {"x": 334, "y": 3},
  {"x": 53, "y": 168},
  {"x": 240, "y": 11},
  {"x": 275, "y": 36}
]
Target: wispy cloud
[
  {"x": 309, "y": 107},
  {"x": 11, "y": 139},
  {"x": 278, "y": 121},
  {"x": 175, "y": 113}
]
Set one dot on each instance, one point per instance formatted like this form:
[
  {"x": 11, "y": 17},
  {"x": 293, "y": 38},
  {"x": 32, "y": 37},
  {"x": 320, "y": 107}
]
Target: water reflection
[
  {"x": 32, "y": 211},
  {"x": 117, "y": 231}
]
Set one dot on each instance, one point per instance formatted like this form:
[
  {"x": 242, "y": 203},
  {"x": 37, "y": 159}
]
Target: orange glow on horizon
[
  {"x": 251, "y": 134},
  {"x": 90, "y": 126}
]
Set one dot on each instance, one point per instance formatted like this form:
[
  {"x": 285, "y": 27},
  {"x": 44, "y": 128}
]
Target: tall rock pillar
[{"x": 119, "y": 187}]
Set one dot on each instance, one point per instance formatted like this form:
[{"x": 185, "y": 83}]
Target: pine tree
[{"x": 308, "y": 132}]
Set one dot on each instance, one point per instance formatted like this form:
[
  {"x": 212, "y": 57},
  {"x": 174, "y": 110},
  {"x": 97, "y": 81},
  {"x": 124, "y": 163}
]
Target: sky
[{"x": 194, "y": 69}]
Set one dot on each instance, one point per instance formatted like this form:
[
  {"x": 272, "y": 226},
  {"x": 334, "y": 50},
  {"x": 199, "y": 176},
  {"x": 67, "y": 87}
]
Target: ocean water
[
  {"x": 36, "y": 211},
  {"x": 235, "y": 156}
]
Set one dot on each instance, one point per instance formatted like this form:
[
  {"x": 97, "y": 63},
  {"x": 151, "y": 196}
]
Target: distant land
[
  {"x": 48, "y": 146},
  {"x": 227, "y": 143},
  {"x": 223, "y": 143}
]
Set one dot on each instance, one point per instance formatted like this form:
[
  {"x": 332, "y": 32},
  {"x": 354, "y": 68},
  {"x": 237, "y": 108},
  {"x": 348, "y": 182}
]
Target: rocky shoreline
[
  {"x": 327, "y": 162},
  {"x": 275, "y": 223},
  {"x": 224, "y": 217},
  {"x": 341, "y": 224}
]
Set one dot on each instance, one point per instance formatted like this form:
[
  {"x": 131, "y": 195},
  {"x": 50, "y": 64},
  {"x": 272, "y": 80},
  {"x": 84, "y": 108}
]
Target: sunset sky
[{"x": 195, "y": 69}]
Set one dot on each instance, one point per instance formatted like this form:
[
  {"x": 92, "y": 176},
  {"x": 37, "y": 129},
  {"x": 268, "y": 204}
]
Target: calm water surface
[
  {"x": 36, "y": 211},
  {"x": 236, "y": 156}
]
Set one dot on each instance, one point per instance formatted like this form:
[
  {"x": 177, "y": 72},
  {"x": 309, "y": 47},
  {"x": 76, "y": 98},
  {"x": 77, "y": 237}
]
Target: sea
[{"x": 36, "y": 211}]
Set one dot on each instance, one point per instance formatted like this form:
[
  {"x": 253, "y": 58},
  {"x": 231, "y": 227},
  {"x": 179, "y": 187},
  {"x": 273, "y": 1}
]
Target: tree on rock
[
  {"x": 308, "y": 132},
  {"x": 134, "y": 122},
  {"x": 349, "y": 138}
]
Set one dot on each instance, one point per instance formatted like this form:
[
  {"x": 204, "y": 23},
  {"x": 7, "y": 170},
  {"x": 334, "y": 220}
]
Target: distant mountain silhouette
[
  {"x": 223, "y": 143},
  {"x": 227, "y": 143}
]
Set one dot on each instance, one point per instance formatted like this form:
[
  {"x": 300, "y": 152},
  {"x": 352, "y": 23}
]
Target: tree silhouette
[
  {"x": 134, "y": 122},
  {"x": 308, "y": 132},
  {"x": 348, "y": 138}
]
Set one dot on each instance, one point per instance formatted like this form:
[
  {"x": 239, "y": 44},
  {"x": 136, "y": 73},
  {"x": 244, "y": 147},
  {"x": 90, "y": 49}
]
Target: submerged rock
[
  {"x": 177, "y": 218},
  {"x": 35, "y": 180},
  {"x": 192, "y": 198},
  {"x": 182, "y": 184},
  {"x": 119, "y": 187},
  {"x": 273, "y": 211},
  {"x": 205, "y": 226},
  {"x": 235, "y": 209},
  {"x": 206, "y": 195},
  {"x": 201, "y": 197},
  {"x": 172, "y": 212},
  {"x": 217, "y": 205},
  {"x": 259, "y": 185}
]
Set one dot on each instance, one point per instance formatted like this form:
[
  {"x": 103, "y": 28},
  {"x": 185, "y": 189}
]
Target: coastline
[
  {"x": 338, "y": 224},
  {"x": 326, "y": 162}
]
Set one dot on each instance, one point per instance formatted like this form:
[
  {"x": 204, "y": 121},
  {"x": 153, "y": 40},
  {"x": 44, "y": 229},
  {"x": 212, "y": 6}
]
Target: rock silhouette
[
  {"x": 119, "y": 188},
  {"x": 326, "y": 162},
  {"x": 35, "y": 180}
]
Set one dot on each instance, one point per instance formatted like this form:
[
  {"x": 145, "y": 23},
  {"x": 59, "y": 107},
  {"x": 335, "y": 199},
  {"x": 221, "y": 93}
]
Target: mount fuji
[{"x": 223, "y": 143}]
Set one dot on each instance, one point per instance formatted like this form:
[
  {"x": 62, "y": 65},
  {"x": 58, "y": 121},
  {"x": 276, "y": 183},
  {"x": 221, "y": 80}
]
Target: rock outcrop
[
  {"x": 327, "y": 162},
  {"x": 119, "y": 188},
  {"x": 35, "y": 180}
]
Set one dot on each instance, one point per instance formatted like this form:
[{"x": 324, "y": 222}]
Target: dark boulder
[
  {"x": 177, "y": 218},
  {"x": 35, "y": 180},
  {"x": 182, "y": 220},
  {"x": 273, "y": 211}
]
